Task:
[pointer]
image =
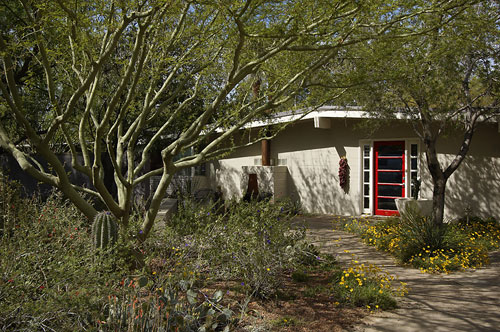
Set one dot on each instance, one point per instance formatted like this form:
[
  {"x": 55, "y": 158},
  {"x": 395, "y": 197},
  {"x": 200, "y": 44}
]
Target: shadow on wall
[
  {"x": 317, "y": 186},
  {"x": 229, "y": 179},
  {"x": 475, "y": 186}
]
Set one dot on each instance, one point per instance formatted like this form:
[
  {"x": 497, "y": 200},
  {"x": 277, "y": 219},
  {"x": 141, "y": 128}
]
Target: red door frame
[{"x": 385, "y": 212}]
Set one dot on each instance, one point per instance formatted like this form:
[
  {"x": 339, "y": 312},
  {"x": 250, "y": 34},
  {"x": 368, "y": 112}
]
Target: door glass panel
[
  {"x": 366, "y": 202},
  {"x": 389, "y": 167},
  {"x": 390, "y": 177},
  {"x": 390, "y": 150},
  {"x": 367, "y": 177},
  {"x": 390, "y": 163},
  {"x": 367, "y": 163},
  {"x": 394, "y": 191},
  {"x": 386, "y": 204},
  {"x": 367, "y": 190}
]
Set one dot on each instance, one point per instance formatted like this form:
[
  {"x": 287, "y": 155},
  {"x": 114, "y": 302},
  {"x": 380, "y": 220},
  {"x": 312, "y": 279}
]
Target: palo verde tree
[
  {"x": 446, "y": 79},
  {"x": 113, "y": 78}
]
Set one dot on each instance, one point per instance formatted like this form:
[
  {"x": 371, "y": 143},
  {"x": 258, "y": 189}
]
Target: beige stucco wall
[
  {"x": 476, "y": 183},
  {"x": 312, "y": 158}
]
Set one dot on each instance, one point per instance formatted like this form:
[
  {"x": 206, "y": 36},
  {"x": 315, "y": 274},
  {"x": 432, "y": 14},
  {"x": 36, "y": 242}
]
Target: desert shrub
[
  {"x": 49, "y": 275},
  {"x": 253, "y": 242},
  {"x": 52, "y": 279},
  {"x": 13, "y": 206},
  {"x": 366, "y": 286},
  {"x": 353, "y": 225},
  {"x": 383, "y": 235},
  {"x": 191, "y": 217},
  {"x": 161, "y": 303},
  {"x": 417, "y": 241}
]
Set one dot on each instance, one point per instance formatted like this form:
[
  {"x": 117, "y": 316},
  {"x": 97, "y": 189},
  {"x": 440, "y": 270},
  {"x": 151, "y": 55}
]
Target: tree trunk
[
  {"x": 437, "y": 174},
  {"x": 150, "y": 217},
  {"x": 438, "y": 195}
]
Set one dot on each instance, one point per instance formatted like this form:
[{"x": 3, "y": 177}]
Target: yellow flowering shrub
[
  {"x": 455, "y": 246},
  {"x": 368, "y": 286}
]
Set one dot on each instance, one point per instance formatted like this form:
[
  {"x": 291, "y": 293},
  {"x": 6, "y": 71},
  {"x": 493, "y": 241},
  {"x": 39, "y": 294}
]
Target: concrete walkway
[{"x": 464, "y": 301}]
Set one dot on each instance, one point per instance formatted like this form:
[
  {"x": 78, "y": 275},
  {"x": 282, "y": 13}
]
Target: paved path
[{"x": 464, "y": 301}]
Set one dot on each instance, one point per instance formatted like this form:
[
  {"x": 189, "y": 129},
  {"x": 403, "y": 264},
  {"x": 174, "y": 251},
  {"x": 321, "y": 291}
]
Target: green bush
[
  {"x": 416, "y": 240},
  {"x": 367, "y": 286},
  {"x": 252, "y": 242},
  {"x": 49, "y": 279},
  {"x": 156, "y": 303},
  {"x": 416, "y": 233}
]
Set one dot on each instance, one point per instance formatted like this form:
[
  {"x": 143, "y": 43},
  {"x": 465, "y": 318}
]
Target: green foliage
[
  {"x": 157, "y": 304},
  {"x": 286, "y": 321},
  {"x": 104, "y": 230},
  {"x": 12, "y": 206},
  {"x": 417, "y": 232},
  {"x": 252, "y": 242},
  {"x": 300, "y": 276},
  {"x": 415, "y": 240},
  {"x": 48, "y": 279},
  {"x": 367, "y": 286}
]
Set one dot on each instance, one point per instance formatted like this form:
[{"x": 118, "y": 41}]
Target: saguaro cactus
[{"x": 104, "y": 230}]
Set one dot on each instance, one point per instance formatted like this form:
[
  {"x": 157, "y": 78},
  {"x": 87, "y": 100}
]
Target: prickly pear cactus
[{"x": 104, "y": 230}]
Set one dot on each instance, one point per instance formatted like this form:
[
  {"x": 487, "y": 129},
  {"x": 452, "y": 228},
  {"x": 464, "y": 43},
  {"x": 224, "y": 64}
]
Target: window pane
[
  {"x": 396, "y": 163},
  {"x": 414, "y": 150},
  {"x": 367, "y": 177},
  {"x": 366, "y": 204},
  {"x": 366, "y": 151},
  {"x": 387, "y": 204},
  {"x": 390, "y": 177},
  {"x": 366, "y": 192},
  {"x": 394, "y": 191},
  {"x": 413, "y": 177},
  {"x": 413, "y": 163},
  {"x": 390, "y": 150},
  {"x": 367, "y": 163}
]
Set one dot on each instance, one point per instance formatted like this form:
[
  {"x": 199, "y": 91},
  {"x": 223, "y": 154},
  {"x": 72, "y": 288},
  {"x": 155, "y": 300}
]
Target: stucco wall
[
  {"x": 476, "y": 183},
  {"x": 312, "y": 158}
]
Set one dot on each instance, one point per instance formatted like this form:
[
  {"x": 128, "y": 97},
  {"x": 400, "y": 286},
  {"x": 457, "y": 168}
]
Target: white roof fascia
[{"x": 322, "y": 112}]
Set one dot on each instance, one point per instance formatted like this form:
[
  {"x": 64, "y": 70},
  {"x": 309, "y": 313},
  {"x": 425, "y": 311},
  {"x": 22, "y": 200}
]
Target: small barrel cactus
[{"x": 104, "y": 230}]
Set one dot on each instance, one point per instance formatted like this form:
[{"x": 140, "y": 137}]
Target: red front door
[{"x": 389, "y": 176}]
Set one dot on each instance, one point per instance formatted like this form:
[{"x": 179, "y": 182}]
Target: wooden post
[{"x": 266, "y": 152}]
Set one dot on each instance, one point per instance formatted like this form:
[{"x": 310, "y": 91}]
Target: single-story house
[{"x": 385, "y": 162}]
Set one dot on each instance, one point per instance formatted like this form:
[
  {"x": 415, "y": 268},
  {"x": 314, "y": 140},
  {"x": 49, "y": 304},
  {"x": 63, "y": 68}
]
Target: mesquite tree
[{"x": 119, "y": 78}]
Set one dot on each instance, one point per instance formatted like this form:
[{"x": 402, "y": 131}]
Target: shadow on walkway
[{"x": 463, "y": 301}]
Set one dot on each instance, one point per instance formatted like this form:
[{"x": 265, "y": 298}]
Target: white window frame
[
  {"x": 408, "y": 142},
  {"x": 362, "y": 144}
]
